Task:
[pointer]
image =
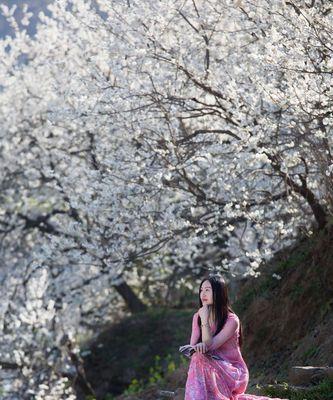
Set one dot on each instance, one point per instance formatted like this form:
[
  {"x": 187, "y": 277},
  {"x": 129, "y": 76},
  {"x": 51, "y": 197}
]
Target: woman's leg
[{"x": 204, "y": 381}]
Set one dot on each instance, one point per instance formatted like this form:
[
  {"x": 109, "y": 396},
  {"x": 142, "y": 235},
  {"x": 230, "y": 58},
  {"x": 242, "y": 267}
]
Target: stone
[
  {"x": 306, "y": 375},
  {"x": 167, "y": 394}
]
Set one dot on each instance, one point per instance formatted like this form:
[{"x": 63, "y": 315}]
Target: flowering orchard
[{"x": 162, "y": 134}]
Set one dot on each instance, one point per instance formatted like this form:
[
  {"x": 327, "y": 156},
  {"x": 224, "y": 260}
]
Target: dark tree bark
[
  {"x": 317, "y": 209},
  {"x": 132, "y": 301}
]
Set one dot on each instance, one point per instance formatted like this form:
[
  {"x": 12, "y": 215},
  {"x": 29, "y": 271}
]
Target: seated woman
[{"x": 216, "y": 329}]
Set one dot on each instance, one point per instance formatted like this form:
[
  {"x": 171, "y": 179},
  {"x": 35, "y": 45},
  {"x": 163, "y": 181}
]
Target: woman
[{"x": 216, "y": 330}]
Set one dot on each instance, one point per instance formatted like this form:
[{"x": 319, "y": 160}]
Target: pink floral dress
[{"x": 211, "y": 379}]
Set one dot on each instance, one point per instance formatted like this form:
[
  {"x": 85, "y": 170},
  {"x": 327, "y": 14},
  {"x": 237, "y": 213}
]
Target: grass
[
  {"x": 293, "y": 261},
  {"x": 312, "y": 351},
  {"x": 322, "y": 391},
  {"x": 263, "y": 287},
  {"x": 143, "y": 346}
]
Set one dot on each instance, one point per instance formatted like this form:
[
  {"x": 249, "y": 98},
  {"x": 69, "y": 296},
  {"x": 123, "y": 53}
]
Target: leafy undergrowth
[
  {"x": 162, "y": 375},
  {"x": 138, "y": 351},
  {"x": 321, "y": 391}
]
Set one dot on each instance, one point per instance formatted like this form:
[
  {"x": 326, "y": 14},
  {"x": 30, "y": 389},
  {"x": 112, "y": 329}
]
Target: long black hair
[{"x": 220, "y": 306}]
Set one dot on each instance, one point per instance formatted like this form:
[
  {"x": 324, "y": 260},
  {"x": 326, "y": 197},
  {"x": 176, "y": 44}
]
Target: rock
[
  {"x": 307, "y": 375},
  {"x": 178, "y": 394},
  {"x": 166, "y": 394}
]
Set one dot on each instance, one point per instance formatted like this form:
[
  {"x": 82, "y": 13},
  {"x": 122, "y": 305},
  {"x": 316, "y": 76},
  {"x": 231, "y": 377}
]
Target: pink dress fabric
[{"x": 227, "y": 379}]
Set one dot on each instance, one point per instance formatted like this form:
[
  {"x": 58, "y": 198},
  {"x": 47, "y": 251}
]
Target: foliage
[{"x": 157, "y": 373}]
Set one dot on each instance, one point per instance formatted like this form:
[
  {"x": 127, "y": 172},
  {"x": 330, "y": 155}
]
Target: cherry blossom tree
[{"x": 140, "y": 139}]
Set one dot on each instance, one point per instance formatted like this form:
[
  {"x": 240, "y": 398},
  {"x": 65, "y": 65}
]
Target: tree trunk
[
  {"x": 317, "y": 209},
  {"x": 132, "y": 301}
]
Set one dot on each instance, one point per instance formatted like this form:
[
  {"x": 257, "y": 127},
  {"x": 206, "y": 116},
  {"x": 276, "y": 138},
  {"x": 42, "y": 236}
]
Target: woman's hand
[
  {"x": 201, "y": 347},
  {"x": 204, "y": 313}
]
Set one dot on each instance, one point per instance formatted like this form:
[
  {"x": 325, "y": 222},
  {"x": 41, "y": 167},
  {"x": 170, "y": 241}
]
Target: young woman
[{"x": 216, "y": 329}]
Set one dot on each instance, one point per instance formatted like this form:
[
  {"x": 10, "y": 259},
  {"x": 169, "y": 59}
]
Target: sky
[{"x": 34, "y": 6}]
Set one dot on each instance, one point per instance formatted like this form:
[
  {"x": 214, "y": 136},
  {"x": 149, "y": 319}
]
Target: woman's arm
[
  {"x": 207, "y": 336},
  {"x": 226, "y": 333},
  {"x": 195, "y": 330}
]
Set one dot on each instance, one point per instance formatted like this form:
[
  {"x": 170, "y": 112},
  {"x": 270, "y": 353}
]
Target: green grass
[
  {"x": 321, "y": 391},
  {"x": 311, "y": 352},
  {"x": 293, "y": 261},
  {"x": 263, "y": 289},
  {"x": 264, "y": 286},
  {"x": 297, "y": 291}
]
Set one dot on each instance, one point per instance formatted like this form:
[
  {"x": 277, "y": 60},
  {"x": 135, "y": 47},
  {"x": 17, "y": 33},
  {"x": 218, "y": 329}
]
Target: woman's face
[{"x": 206, "y": 293}]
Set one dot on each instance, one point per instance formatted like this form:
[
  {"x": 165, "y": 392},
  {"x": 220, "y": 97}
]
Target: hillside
[
  {"x": 289, "y": 321},
  {"x": 286, "y": 322}
]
